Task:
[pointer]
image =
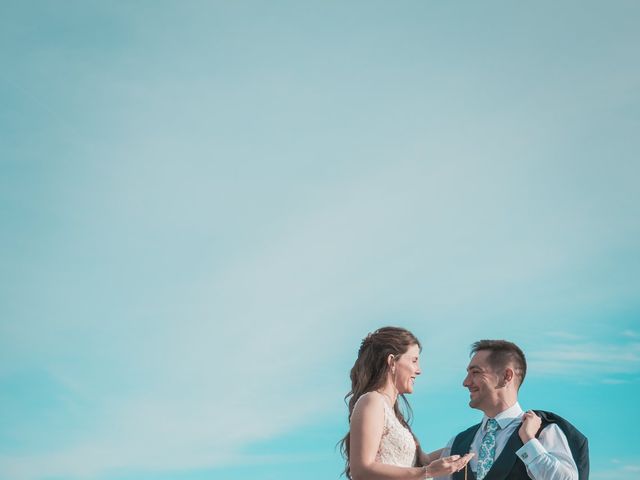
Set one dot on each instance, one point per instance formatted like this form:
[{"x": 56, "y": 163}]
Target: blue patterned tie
[{"x": 487, "y": 449}]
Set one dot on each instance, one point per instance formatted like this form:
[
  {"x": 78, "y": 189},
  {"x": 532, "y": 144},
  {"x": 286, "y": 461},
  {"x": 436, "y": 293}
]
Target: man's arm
[{"x": 547, "y": 457}]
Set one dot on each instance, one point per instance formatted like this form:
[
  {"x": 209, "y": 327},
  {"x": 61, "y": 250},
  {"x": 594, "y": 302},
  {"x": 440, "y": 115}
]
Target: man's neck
[{"x": 499, "y": 407}]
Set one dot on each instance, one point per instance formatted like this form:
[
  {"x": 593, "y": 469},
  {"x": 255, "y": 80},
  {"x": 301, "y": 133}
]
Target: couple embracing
[{"x": 508, "y": 444}]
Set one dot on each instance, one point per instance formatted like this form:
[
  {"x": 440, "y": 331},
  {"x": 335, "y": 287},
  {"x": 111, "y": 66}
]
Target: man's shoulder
[
  {"x": 550, "y": 418},
  {"x": 553, "y": 421}
]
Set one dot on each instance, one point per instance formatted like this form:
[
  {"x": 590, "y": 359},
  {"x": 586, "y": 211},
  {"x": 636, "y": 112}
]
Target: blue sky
[{"x": 206, "y": 205}]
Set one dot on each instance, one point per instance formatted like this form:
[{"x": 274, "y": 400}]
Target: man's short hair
[{"x": 502, "y": 354}]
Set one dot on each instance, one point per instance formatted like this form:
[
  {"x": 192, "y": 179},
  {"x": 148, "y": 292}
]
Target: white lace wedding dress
[{"x": 397, "y": 445}]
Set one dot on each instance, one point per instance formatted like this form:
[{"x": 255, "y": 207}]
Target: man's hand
[{"x": 530, "y": 426}]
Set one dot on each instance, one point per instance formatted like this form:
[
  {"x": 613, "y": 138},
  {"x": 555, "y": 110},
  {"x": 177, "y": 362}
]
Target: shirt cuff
[{"x": 530, "y": 450}]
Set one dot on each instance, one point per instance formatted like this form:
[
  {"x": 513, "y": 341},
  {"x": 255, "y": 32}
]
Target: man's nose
[{"x": 466, "y": 382}]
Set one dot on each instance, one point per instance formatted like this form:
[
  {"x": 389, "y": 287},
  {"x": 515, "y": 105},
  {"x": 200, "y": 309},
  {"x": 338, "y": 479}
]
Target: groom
[{"x": 505, "y": 441}]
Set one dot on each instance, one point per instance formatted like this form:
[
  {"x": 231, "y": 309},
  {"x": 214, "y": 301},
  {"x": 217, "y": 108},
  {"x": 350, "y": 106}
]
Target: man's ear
[{"x": 508, "y": 375}]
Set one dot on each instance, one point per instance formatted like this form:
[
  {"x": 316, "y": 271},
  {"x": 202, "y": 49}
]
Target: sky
[{"x": 206, "y": 205}]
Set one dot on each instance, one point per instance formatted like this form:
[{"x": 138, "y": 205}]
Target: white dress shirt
[{"x": 547, "y": 457}]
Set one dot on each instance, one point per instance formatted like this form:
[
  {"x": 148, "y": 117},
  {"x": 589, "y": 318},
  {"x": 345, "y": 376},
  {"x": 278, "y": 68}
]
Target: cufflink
[{"x": 525, "y": 455}]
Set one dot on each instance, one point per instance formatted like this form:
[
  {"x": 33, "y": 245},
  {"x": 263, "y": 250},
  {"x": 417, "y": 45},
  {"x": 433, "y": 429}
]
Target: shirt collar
[{"x": 505, "y": 417}]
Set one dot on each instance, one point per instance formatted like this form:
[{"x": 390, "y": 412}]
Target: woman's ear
[{"x": 391, "y": 359}]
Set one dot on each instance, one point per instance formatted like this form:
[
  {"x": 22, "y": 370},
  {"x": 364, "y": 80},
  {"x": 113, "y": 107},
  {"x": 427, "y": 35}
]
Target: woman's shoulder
[
  {"x": 368, "y": 400},
  {"x": 370, "y": 407}
]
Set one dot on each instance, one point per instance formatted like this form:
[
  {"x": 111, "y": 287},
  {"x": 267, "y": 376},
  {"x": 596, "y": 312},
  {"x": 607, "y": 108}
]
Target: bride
[{"x": 380, "y": 444}]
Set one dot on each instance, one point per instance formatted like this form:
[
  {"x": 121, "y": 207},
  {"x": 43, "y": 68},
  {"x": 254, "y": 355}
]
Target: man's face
[{"x": 483, "y": 383}]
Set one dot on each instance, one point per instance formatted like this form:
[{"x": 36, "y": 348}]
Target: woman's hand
[
  {"x": 447, "y": 465},
  {"x": 427, "y": 458},
  {"x": 530, "y": 426}
]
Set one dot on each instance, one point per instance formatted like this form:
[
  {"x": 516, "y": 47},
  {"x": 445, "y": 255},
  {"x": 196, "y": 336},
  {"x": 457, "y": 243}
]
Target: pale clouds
[
  {"x": 212, "y": 236},
  {"x": 589, "y": 360},
  {"x": 564, "y": 335},
  {"x": 619, "y": 469},
  {"x": 211, "y": 366}
]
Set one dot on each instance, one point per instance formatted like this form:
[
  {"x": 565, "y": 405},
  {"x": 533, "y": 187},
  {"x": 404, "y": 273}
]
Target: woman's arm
[
  {"x": 427, "y": 458},
  {"x": 367, "y": 425}
]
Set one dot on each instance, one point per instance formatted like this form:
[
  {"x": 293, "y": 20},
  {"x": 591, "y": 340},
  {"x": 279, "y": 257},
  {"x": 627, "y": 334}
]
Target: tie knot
[{"x": 492, "y": 425}]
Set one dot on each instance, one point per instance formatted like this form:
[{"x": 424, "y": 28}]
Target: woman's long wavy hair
[{"x": 369, "y": 373}]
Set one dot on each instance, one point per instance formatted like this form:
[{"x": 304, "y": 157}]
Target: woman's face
[{"x": 407, "y": 369}]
